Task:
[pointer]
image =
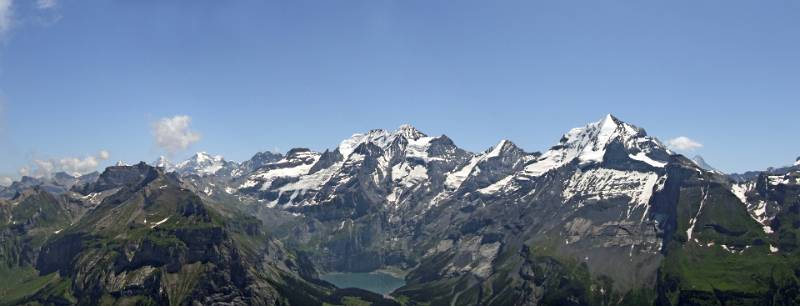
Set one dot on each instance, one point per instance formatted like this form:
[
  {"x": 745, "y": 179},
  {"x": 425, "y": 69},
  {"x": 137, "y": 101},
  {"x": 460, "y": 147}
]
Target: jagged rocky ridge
[{"x": 607, "y": 216}]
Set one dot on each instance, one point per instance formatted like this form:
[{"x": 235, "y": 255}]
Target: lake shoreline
[{"x": 378, "y": 281}]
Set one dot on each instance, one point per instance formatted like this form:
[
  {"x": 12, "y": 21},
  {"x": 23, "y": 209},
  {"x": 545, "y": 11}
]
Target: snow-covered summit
[
  {"x": 797, "y": 162},
  {"x": 409, "y": 132},
  {"x": 163, "y": 162},
  {"x": 701, "y": 162},
  {"x": 589, "y": 144},
  {"x": 497, "y": 162},
  {"x": 381, "y": 138},
  {"x": 202, "y": 163},
  {"x": 403, "y": 159},
  {"x": 503, "y": 146}
]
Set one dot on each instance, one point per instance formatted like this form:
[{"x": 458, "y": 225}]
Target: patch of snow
[
  {"x": 773, "y": 249},
  {"x": 407, "y": 175},
  {"x": 602, "y": 183},
  {"x": 266, "y": 177},
  {"x": 58, "y": 231},
  {"x": 313, "y": 181},
  {"x": 692, "y": 221},
  {"x": 497, "y": 186},
  {"x": 90, "y": 197},
  {"x": 758, "y": 210},
  {"x": 641, "y": 156},
  {"x": 393, "y": 196},
  {"x": 495, "y": 152},
  {"x": 158, "y": 223},
  {"x": 418, "y": 149},
  {"x": 776, "y": 180},
  {"x": 740, "y": 191},
  {"x": 733, "y": 251},
  {"x": 249, "y": 183},
  {"x": 455, "y": 178}
]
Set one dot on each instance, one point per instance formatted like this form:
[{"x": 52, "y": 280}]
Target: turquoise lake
[{"x": 377, "y": 282}]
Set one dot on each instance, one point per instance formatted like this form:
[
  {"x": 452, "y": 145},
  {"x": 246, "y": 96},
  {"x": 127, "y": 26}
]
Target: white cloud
[
  {"x": 46, "y": 13},
  {"x": 5, "y": 181},
  {"x": 43, "y": 167},
  {"x": 173, "y": 134},
  {"x": 6, "y": 14},
  {"x": 683, "y": 143},
  {"x": 75, "y": 166},
  {"x": 46, "y": 4}
]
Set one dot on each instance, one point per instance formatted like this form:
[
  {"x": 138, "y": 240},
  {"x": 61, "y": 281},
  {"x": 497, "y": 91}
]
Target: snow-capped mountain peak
[
  {"x": 498, "y": 162},
  {"x": 797, "y": 162},
  {"x": 502, "y": 146},
  {"x": 203, "y": 157},
  {"x": 701, "y": 162},
  {"x": 163, "y": 162},
  {"x": 589, "y": 145},
  {"x": 380, "y": 138},
  {"x": 202, "y": 163},
  {"x": 409, "y": 132}
]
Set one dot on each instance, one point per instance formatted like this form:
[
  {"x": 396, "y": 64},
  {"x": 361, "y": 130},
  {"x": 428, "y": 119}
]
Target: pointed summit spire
[
  {"x": 588, "y": 145},
  {"x": 504, "y": 145},
  {"x": 410, "y": 132},
  {"x": 609, "y": 120}
]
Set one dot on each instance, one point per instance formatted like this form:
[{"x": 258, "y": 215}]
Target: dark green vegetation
[
  {"x": 728, "y": 258},
  {"x": 151, "y": 242},
  {"x": 733, "y": 261}
]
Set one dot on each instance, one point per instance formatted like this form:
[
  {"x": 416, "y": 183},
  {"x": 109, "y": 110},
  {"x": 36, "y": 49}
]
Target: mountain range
[{"x": 606, "y": 216}]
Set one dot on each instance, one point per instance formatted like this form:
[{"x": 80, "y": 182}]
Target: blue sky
[{"x": 78, "y": 77}]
